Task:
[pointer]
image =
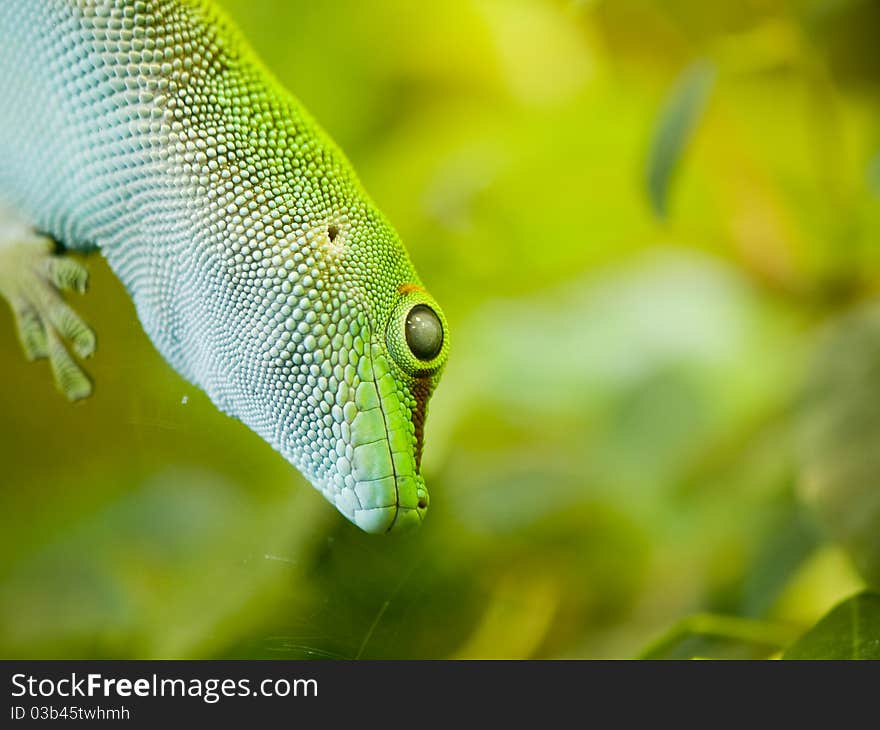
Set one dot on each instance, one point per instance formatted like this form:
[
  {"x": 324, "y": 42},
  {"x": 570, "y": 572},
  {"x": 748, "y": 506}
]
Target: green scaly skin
[{"x": 259, "y": 267}]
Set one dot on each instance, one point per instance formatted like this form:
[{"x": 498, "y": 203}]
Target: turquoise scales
[{"x": 259, "y": 267}]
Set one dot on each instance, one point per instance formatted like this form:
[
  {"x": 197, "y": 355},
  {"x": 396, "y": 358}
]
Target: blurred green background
[{"x": 655, "y": 230}]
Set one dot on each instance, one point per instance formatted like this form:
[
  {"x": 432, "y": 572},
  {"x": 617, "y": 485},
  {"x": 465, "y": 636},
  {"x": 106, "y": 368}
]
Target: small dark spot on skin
[
  {"x": 332, "y": 232},
  {"x": 423, "y": 503}
]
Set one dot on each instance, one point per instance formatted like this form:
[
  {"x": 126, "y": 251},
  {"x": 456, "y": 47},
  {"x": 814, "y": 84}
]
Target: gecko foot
[{"x": 32, "y": 277}]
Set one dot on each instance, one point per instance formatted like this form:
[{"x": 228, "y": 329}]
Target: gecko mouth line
[{"x": 389, "y": 488}]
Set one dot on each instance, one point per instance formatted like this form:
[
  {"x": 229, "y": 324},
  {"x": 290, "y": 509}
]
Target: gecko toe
[
  {"x": 69, "y": 376},
  {"x": 71, "y": 327},
  {"x": 31, "y": 332},
  {"x": 67, "y": 274}
]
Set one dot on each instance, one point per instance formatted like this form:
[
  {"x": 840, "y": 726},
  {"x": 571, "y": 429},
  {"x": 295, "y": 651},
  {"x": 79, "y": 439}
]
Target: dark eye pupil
[{"x": 424, "y": 332}]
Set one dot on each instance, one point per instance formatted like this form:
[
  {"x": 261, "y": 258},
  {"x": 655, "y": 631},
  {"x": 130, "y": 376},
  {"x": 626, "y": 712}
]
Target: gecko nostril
[
  {"x": 423, "y": 503},
  {"x": 332, "y": 232}
]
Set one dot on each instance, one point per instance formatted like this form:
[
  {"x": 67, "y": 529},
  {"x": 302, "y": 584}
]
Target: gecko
[{"x": 260, "y": 269}]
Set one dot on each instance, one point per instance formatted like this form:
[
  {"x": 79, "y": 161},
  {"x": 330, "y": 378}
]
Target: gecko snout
[{"x": 407, "y": 512}]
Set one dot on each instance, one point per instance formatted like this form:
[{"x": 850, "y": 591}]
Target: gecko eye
[
  {"x": 424, "y": 332},
  {"x": 416, "y": 334}
]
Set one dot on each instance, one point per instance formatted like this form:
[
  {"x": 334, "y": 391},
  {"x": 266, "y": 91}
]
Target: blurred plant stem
[{"x": 769, "y": 636}]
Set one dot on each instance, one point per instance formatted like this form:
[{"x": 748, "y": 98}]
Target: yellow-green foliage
[{"x": 619, "y": 442}]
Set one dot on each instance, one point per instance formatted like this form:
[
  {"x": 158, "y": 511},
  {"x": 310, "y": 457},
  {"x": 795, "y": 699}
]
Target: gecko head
[
  {"x": 401, "y": 371},
  {"x": 379, "y": 484},
  {"x": 354, "y": 362}
]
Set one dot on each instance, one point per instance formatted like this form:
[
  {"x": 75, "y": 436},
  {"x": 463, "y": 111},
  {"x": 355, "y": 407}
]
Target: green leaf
[
  {"x": 675, "y": 125},
  {"x": 789, "y": 539},
  {"x": 850, "y": 631},
  {"x": 839, "y": 433}
]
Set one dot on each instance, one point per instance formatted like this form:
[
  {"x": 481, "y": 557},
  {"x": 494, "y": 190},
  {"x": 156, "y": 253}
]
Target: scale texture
[{"x": 258, "y": 266}]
